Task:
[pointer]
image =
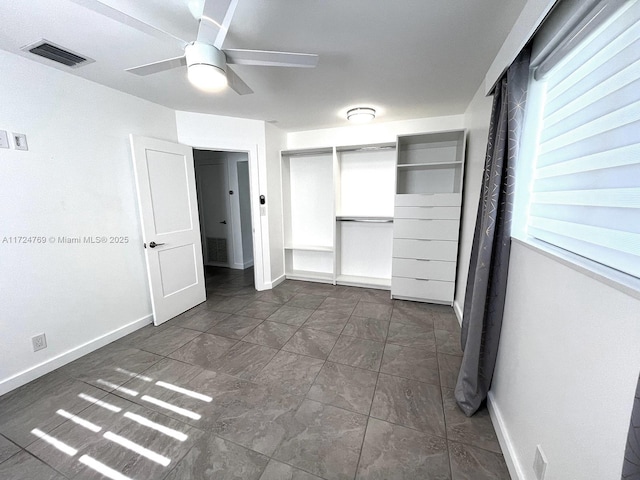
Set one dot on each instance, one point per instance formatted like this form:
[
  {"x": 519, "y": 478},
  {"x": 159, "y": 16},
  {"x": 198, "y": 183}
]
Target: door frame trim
[{"x": 260, "y": 233}]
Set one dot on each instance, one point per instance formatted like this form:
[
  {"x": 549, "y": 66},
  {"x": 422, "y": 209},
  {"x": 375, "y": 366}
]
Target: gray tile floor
[{"x": 303, "y": 382}]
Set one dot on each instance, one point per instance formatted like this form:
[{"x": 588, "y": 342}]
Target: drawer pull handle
[
  {"x": 365, "y": 220},
  {"x": 422, "y": 279},
  {"x": 422, "y": 260}
]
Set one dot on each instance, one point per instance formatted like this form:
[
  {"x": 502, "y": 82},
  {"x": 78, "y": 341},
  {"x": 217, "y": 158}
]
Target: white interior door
[{"x": 166, "y": 186}]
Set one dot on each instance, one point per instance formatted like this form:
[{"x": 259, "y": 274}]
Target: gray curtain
[
  {"x": 631, "y": 466},
  {"x": 487, "y": 281}
]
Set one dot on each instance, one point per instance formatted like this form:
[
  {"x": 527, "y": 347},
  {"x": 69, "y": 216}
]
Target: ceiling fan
[{"x": 206, "y": 61}]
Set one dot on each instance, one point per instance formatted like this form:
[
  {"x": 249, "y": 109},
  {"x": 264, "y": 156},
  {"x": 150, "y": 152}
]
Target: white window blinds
[{"x": 586, "y": 182}]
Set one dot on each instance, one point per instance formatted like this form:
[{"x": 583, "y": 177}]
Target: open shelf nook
[{"x": 308, "y": 207}]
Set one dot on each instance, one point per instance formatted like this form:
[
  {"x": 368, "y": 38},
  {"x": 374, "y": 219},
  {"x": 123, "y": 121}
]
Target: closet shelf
[
  {"x": 357, "y": 281},
  {"x": 311, "y": 248},
  {"x": 310, "y": 276},
  {"x": 371, "y": 147},
  {"x": 352, "y": 218},
  {"x": 307, "y": 152},
  {"x": 428, "y": 165}
]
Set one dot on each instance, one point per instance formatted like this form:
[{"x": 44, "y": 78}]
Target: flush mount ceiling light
[
  {"x": 206, "y": 67},
  {"x": 361, "y": 114}
]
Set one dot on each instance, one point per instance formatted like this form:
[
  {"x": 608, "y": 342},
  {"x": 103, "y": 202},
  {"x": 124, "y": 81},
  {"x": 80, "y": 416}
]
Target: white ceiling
[{"x": 407, "y": 58}]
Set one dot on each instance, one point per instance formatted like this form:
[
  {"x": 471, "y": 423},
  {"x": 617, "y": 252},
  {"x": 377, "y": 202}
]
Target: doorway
[{"x": 222, "y": 179}]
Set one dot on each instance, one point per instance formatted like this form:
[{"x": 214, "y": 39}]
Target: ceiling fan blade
[
  {"x": 236, "y": 83},
  {"x": 215, "y": 21},
  {"x": 160, "y": 66},
  {"x": 271, "y": 59},
  {"x": 125, "y": 19}
]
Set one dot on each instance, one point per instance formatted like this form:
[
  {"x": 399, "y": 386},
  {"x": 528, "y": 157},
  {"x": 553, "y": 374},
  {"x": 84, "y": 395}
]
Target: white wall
[
  {"x": 476, "y": 121},
  {"x": 275, "y": 143},
  {"x": 525, "y": 26},
  {"x": 75, "y": 180},
  {"x": 567, "y": 369}
]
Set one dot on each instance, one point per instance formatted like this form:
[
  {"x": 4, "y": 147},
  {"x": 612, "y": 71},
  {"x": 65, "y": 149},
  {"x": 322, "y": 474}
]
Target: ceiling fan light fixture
[
  {"x": 361, "y": 114},
  {"x": 206, "y": 67},
  {"x": 207, "y": 77}
]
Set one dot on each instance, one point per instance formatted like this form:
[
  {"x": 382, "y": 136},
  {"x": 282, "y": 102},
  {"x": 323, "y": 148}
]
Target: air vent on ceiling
[{"x": 51, "y": 51}]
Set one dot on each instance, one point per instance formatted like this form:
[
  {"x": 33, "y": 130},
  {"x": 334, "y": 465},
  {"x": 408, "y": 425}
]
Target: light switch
[
  {"x": 4, "y": 140},
  {"x": 20, "y": 141}
]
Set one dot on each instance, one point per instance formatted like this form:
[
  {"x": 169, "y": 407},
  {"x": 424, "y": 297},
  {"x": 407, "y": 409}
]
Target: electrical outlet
[
  {"x": 39, "y": 342},
  {"x": 539, "y": 463}
]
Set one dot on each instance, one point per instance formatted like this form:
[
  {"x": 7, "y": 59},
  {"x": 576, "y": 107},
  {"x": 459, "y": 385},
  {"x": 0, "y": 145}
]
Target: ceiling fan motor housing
[{"x": 199, "y": 53}]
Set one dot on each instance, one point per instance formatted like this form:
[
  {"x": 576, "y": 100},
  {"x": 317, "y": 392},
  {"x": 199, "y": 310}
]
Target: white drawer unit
[
  {"x": 426, "y": 229},
  {"x": 425, "y": 269},
  {"x": 429, "y": 200},
  {"x": 427, "y": 216},
  {"x": 425, "y": 249},
  {"x": 433, "y": 213},
  {"x": 422, "y": 289}
]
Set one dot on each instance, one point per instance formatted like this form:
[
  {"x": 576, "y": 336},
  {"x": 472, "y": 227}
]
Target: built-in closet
[{"x": 382, "y": 215}]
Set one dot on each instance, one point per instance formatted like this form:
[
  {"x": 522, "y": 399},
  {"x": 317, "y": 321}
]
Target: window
[{"x": 584, "y": 193}]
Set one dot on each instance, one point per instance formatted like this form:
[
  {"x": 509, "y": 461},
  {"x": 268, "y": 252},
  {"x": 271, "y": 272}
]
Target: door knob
[
  {"x": 154, "y": 244},
  {"x": 224, "y": 221}
]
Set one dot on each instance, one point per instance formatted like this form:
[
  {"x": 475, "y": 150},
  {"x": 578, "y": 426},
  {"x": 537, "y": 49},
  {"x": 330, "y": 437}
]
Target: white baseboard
[
  {"x": 273, "y": 283},
  {"x": 458, "y": 310},
  {"x": 58, "y": 361},
  {"x": 508, "y": 450},
  {"x": 241, "y": 266},
  {"x": 278, "y": 281}
]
